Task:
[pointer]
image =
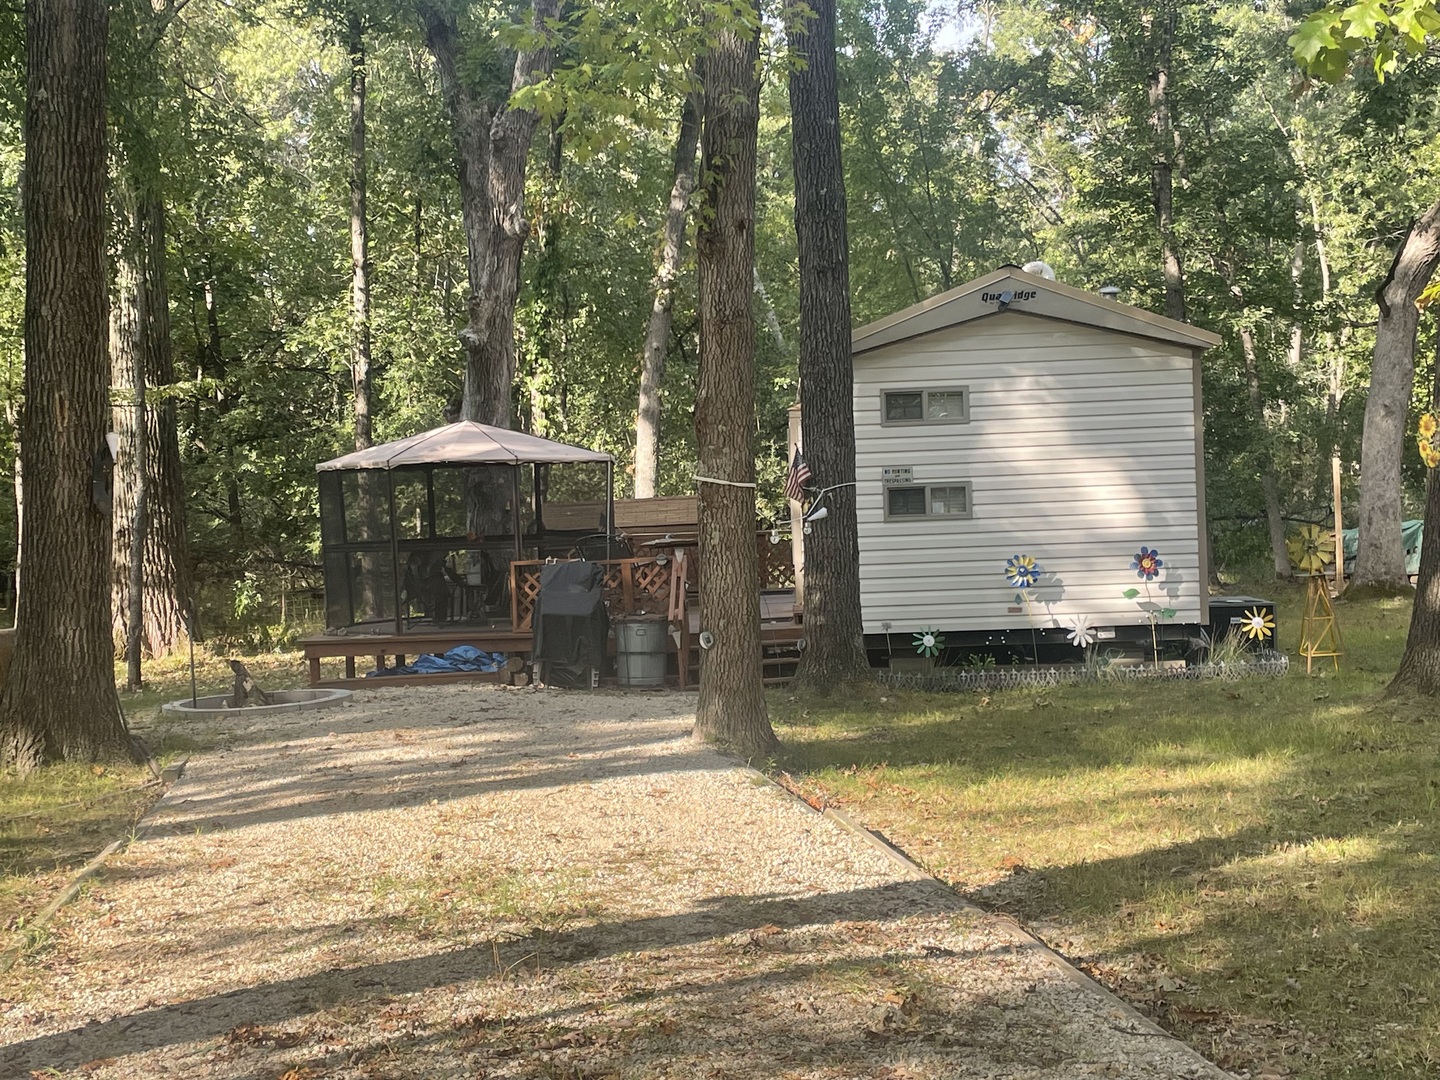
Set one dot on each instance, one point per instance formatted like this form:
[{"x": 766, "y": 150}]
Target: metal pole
[
  {"x": 515, "y": 509},
  {"x": 609, "y": 503},
  {"x": 190, "y": 636},
  {"x": 395, "y": 552}
]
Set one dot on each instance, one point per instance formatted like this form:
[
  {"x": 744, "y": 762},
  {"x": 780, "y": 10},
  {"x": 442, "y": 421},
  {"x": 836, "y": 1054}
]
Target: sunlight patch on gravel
[{"x": 476, "y": 881}]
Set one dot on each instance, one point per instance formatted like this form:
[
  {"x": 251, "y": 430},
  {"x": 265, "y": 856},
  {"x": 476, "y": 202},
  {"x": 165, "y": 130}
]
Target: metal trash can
[{"x": 641, "y": 645}]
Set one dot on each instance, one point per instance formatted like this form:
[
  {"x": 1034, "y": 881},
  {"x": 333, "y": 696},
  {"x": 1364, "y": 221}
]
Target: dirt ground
[{"x": 485, "y": 882}]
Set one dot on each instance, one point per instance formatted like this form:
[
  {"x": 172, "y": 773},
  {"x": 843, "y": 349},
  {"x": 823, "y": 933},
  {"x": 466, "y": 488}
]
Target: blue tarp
[
  {"x": 460, "y": 658},
  {"x": 1412, "y": 534}
]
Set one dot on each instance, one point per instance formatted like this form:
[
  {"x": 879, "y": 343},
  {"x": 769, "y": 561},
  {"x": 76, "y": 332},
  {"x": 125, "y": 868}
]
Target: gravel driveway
[{"x": 485, "y": 882}]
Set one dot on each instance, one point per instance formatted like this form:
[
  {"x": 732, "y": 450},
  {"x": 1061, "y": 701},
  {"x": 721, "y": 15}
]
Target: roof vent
[
  {"x": 1040, "y": 269},
  {"x": 1110, "y": 292}
]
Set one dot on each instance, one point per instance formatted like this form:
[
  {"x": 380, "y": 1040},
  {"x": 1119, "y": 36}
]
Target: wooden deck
[
  {"x": 415, "y": 642},
  {"x": 661, "y": 583}
]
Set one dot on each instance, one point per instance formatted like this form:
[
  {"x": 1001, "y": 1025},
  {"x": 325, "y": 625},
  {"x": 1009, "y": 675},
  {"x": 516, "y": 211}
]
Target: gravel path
[{"x": 480, "y": 882}]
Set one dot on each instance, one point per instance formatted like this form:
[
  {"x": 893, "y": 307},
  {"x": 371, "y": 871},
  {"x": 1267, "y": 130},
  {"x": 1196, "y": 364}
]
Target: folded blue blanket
[{"x": 460, "y": 658}]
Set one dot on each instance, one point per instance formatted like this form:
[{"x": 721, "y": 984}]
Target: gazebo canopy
[{"x": 464, "y": 443}]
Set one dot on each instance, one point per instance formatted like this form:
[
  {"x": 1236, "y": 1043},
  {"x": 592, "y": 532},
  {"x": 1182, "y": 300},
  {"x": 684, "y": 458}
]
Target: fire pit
[{"x": 280, "y": 701}]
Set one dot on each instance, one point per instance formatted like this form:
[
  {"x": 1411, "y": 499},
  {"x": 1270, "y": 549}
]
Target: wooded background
[{"x": 260, "y": 152}]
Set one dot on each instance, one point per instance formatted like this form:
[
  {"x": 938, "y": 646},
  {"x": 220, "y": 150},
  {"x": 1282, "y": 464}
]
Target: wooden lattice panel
[
  {"x": 777, "y": 567},
  {"x": 524, "y": 591},
  {"x": 628, "y": 585}
]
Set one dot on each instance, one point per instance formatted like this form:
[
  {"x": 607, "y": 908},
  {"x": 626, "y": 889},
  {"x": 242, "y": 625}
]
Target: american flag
[{"x": 798, "y": 477}]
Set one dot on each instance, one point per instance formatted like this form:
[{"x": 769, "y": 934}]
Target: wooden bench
[{"x": 382, "y": 647}]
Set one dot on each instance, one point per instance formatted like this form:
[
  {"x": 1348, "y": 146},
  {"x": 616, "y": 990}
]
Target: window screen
[
  {"x": 945, "y": 405},
  {"x": 954, "y": 499},
  {"x": 905, "y": 502},
  {"x": 949, "y": 405},
  {"x": 905, "y": 405}
]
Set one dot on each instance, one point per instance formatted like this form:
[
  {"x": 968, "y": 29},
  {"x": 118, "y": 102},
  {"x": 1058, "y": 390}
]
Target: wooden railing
[
  {"x": 777, "y": 563},
  {"x": 653, "y": 583},
  {"x": 630, "y": 585}
]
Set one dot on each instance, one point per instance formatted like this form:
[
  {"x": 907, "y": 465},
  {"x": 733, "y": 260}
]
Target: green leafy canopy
[{"x": 1326, "y": 43}]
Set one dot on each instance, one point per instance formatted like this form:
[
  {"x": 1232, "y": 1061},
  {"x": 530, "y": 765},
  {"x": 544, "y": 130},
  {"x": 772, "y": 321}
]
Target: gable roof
[
  {"x": 463, "y": 443},
  {"x": 1029, "y": 295}
]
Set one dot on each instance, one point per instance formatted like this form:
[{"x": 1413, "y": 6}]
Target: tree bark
[
  {"x": 359, "y": 245},
  {"x": 731, "y": 706},
  {"x": 1162, "y": 169},
  {"x": 128, "y": 321},
  {"x": 149, "y": 500},
  {"x": 1419, "y": 670},
  {"x": 492, "y": 144},
  {"x": 835, "y": 650},
  {"x": 1380, "y": 560},
  {"x": 168, "y": 574},
  {"x": 59, "y": 701},
  {"x": 657, "y": 330},
  {"x": 127, "y": 367}
]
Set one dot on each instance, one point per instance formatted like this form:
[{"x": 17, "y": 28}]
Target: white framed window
[
  {"x": 935, "y": 405},
  {"x": 950, "y": 499}
]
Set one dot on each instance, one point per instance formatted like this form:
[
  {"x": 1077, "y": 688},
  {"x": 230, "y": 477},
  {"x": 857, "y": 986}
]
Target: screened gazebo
[{"x": 422, "y": 531}]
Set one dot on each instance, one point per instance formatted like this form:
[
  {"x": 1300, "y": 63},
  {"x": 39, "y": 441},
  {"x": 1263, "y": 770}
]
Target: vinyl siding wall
[{"x": 1080, "y": 447}]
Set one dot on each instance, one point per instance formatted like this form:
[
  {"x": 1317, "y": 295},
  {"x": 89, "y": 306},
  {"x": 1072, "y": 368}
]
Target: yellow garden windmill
[{"x": 1312, "y": 549}]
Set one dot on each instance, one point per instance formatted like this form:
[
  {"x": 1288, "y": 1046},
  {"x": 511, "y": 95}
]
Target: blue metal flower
[
  {"x": 1022, "y": 572},
  {"x": 1147, "y": 564}
]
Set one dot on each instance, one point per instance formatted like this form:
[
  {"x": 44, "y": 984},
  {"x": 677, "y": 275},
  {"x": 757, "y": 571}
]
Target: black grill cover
[{"x": 571, "y": 625}]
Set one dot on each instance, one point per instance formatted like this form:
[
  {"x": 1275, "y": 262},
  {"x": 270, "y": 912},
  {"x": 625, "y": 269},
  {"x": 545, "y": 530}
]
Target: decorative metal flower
[
  {"x": 1429, "y": 452},
  {"x": 1311, "y": 549},
  {"x": 1022, "y": 572},
  {"x": 929, "y": 643},
  {"x": 1082, "y": 635},
  {"x": 1257, "y": 624},
  {"x": 1147, "y": 564}
]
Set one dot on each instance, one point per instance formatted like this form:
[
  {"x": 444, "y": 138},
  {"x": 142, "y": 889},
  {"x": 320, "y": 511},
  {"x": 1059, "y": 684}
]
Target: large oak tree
[
  {"x": 731, "y": 708},
  {"x": 836, "y": 648},
  {"x": 59, "y": 701}
]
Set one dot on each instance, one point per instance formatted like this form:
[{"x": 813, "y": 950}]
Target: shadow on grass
[{"x": 1267, "y": 845}]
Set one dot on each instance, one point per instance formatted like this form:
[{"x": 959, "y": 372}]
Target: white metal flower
[{"x": 1082, "y": 635}]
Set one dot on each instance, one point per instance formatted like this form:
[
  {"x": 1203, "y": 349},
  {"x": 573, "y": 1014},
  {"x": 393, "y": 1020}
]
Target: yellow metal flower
[
  {"x": 1257, "y": 624},
  {"x": 1428, "y": 425},
  {"x": 1312, "y": 549},
  {"x": 1428, "y": 454}
]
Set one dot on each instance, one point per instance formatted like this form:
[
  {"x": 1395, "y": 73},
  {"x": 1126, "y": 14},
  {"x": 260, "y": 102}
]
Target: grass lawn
[
  {"x": 53, "y": 821},
  {"x": 1256, "y": 864}
]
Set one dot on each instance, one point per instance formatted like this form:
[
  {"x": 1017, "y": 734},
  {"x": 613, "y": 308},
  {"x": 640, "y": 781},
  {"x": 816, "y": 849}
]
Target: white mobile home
[{"x": 1019, "y": 416}]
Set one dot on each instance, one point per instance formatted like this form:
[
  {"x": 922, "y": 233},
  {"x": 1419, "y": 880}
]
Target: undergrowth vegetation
[{"x": 1256, "y": 863}]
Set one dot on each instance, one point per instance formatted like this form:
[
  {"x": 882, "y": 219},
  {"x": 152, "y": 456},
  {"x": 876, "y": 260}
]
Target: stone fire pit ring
[{"x": 218, "y": 705}]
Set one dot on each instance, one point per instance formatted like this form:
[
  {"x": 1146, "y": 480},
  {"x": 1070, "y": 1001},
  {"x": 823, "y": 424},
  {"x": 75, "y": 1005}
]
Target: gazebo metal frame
[{"x": 465, "y": 444}]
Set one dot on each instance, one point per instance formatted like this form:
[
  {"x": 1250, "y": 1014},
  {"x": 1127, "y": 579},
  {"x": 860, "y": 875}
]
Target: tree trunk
[
  {"x": 731, "y": 706},
  {"x": 59, "y": 701},
  {"x": 140, "y": 472},
  {"x": 127, "y": 377},
  {"x": 168, "y": 575},
  {"x": 1381, "y": 557},
  {"x": 149, "y": 500},
  {"x": 1419, "y": 671},
  {"x": 359, "y": 250},
  {"x": 1166, "y": 141},
  {"x": 833, "y": 629},
  {"x": 492, "y": 144},
  {"x": 657, "y": 331}
]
